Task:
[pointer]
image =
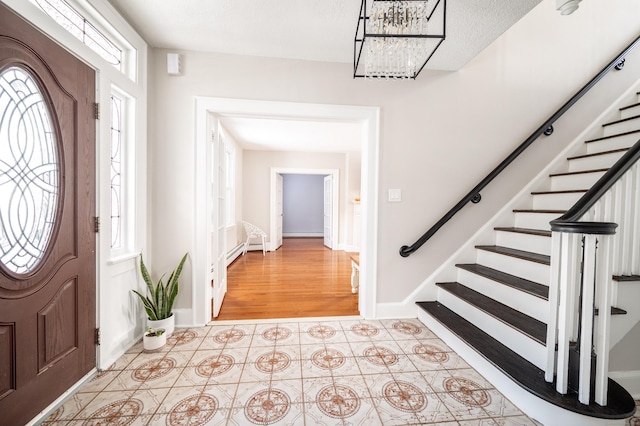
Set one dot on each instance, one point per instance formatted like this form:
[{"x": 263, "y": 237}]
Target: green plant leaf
[
  {"x": 148, "y": 306},
  {"x": 173, "y": 282},
  {"x": 158, "y": 304}
]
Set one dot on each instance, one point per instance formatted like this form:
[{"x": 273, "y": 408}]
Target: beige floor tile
[{"x": 343, "y": 372}]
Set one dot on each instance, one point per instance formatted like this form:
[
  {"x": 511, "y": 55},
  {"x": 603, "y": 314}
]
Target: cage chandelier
[{"x": 395, "y": 39}]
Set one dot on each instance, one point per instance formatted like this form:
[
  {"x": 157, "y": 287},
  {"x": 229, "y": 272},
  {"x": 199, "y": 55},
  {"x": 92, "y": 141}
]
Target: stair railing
[
  {"x": 546, "y": 128},
  {"x": 585, "y": 254}
]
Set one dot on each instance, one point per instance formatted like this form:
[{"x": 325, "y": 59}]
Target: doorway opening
[
  {"x": 368, "y": 120},
  {"x": 330, "y": 204}
]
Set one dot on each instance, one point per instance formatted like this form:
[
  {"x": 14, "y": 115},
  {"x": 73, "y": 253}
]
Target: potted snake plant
[{"x": 158, "y": 302}]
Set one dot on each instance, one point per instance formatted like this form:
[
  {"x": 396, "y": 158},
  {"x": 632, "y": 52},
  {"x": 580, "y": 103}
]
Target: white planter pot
[
  {"x": 168, "y": 324},
  {"x": 154, "y": 343}
]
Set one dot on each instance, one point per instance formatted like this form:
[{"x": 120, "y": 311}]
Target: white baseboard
[
  {"x": 184, "y": 318},
  {"x": 303, "y": 234},
  {"x": 396, "y": 310},
  {"x": 630, "y": 380}
]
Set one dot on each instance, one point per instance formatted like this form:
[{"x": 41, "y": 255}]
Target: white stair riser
[
  {"x": 603, "y": 161},
  {"x": 526, "y": 303},
  {"x": 630, "y": 112},
  {"x": 623, "y": 141},
  {"x": 556, "y": 201},
  {"x": 528, "y": 242},
  {"x": 526, "y": 269},
  {"x": 535, "y": 220},
  {"x": 524, "y": 346},
  {"x": 628, "y": 296},
  {"x": 624, "y": 126},
  {"x": 579, "y": 181}
]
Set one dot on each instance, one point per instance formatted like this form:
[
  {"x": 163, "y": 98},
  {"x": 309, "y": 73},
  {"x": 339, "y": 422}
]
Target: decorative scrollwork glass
[
  {"x": 71, "y": 20},
  {"x": 116, "y": 172},
  {"x": 29, "y": 172}
]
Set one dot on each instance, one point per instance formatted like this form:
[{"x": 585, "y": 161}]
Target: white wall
[
  {"x": 354, "y": 169},
  {"x": 440, "y": 134},
  {"x": 257, "y": 168},
  {"x": 302, "y": 205}
]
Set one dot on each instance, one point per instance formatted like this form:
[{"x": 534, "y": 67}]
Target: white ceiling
[
  {"x": 280, "y": 134},
  {"x": 315, "y": 30}
]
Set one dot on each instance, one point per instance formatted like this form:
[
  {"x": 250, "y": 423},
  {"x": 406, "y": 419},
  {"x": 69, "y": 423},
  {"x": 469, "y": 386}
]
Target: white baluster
[
  {"x": 635, "y": 227},
  {"x": 625, "y": 222},
  {"x": 564, "y": 315},
  {"x": 586, "y": 326},
  {"x": 617, "y": 209},
  {"x": 604, "y": 282},
  {"x": 554, "y": 287},
  {"x": 575, "y": 260}
]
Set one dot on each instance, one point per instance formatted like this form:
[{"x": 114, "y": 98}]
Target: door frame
[
  {"x": 273, "y": 226},
  {"x": 368, "y": 116}
]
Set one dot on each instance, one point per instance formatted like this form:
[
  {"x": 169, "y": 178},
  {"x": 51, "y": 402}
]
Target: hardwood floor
[{"x": 301, "y": 279}]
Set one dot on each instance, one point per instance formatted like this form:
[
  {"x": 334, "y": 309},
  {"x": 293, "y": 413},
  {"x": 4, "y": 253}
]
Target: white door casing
[
  {"x": 370, "y": 119},
  {"x": 273, "y": 210},
  {"x": 327, "y": 212},
  {"x": 279, "y": 211}
]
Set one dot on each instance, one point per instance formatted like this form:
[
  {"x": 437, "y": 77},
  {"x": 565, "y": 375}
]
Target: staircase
[{"x": 496, "y": 312}]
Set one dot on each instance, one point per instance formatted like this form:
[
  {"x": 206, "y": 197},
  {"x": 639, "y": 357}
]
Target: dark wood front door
[{"x": 47, "y": 205}]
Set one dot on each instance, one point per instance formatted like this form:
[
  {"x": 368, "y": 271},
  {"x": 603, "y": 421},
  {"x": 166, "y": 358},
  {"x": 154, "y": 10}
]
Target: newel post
[{"x": 580, "y": 261}]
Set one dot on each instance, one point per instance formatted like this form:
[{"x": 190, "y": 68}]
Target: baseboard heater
[{"x": 234, "y": 253}]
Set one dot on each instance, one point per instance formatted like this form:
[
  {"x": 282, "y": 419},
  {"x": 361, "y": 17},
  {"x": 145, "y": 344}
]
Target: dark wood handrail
[
  {"x": 547, "y": 126},
  {"x": 569, "y": 222}
]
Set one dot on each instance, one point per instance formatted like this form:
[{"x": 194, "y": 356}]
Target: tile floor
[
  {"x": 339, "y": 372},
  {"x": 635, "y": 420}
]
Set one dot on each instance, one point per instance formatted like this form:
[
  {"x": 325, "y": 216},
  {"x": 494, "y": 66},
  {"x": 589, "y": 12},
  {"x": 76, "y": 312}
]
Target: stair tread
[
  {"x": 622, "y": 120},
  {"x": 538, "y": 211},
  {"x": 626, "y": 278},
  {"x": 521, "y": 254},
  {"x": 614, "y": 311},
  {"x": 629, "y": 106},
  {"x": 596, "y": 154},
  {"x": 566, "y": 191},
  {"x": 621, "y": 405},
  {"x": 612, "y": 136},
  {"x": 531, "y": 327},
  {"x": 530, "y": 231},
  {"x": 578, "y": 172},
  {"x": 527, "y": 286}
]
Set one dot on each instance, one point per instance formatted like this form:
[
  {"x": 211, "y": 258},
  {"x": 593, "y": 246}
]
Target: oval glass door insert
[{"x": 29, "y": 172}]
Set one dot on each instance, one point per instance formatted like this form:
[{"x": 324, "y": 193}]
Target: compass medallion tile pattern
[
  {"x": 267, "y": 407},
  {"x": 328, "y": 359},
  {"x": 214, "y": 365},
  {"x": 291, "y": 372},
  {"x": 322, "y": 331},
  {"x": 273, "y": 362},
  {"x": 338, "y": 402},
  {"x": 276, "y": 333}
]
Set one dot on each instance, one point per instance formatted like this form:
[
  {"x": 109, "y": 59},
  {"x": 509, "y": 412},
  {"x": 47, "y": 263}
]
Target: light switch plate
[{"x": 395, "y": 195}]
